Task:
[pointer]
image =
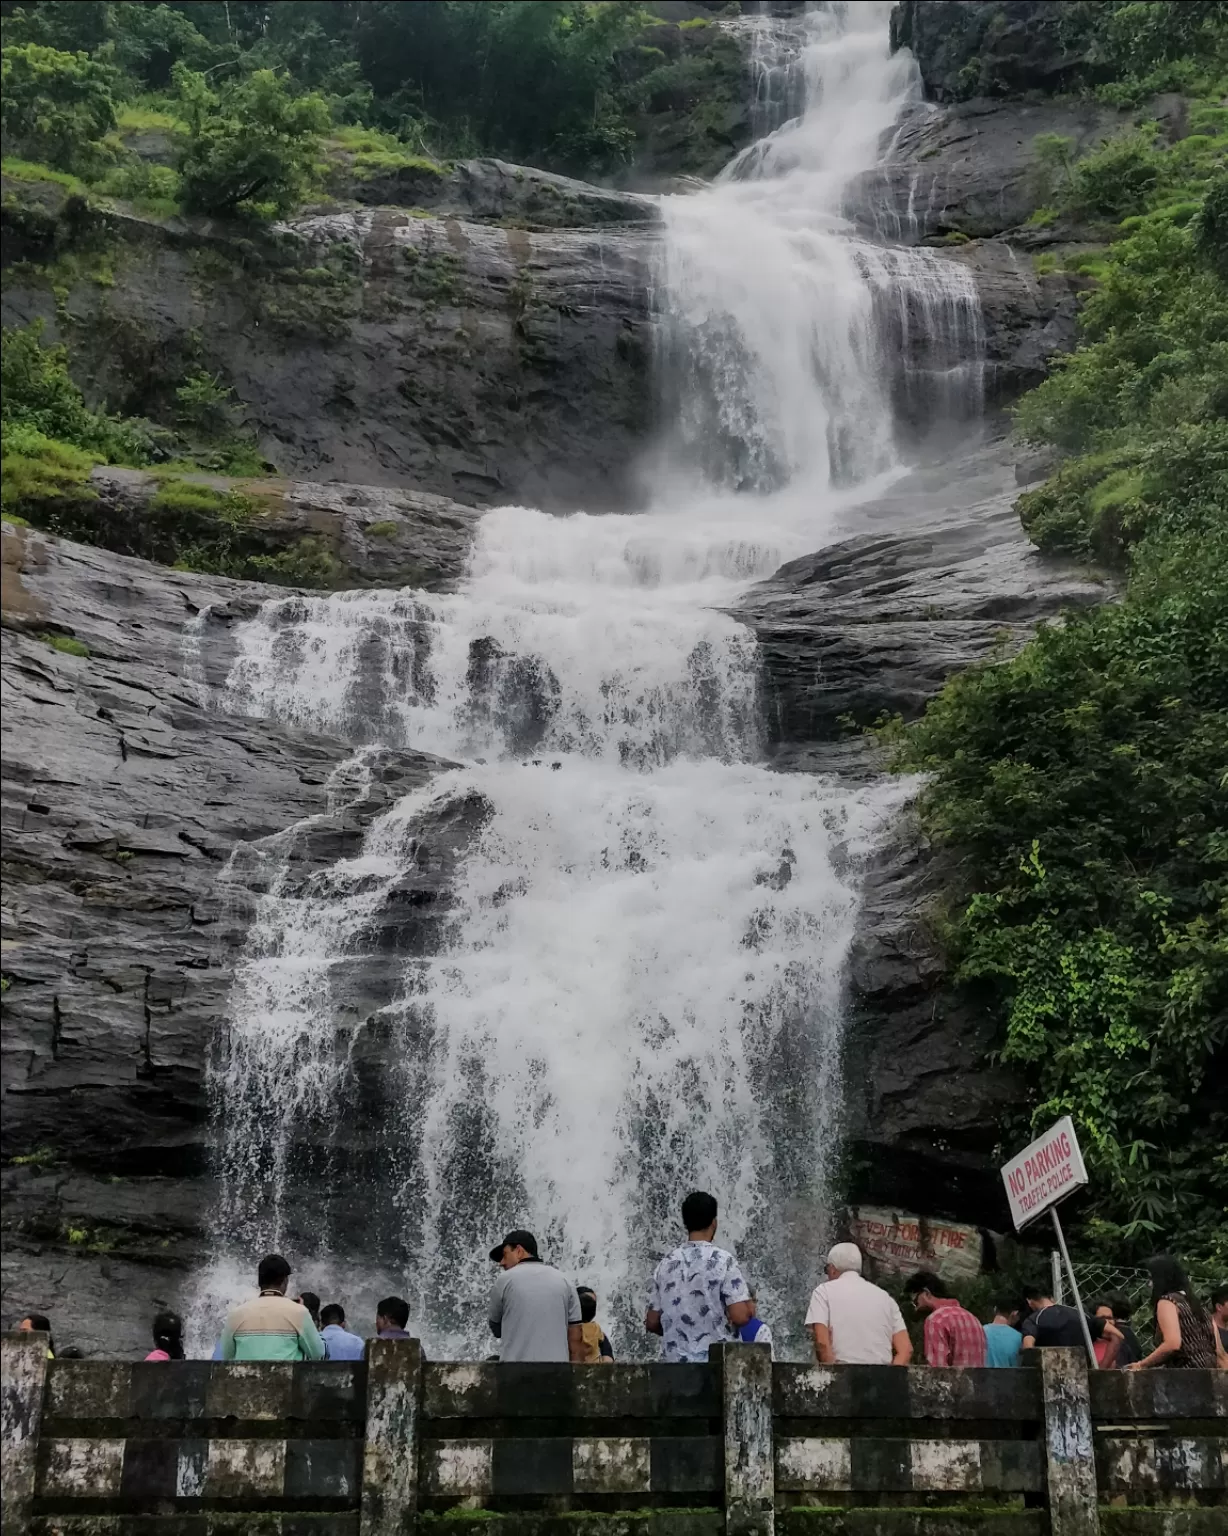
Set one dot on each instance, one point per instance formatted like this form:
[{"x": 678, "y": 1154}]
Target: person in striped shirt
[
  {"x": 952, "y": 1336},
  {"x": 272, "y": 1327}
]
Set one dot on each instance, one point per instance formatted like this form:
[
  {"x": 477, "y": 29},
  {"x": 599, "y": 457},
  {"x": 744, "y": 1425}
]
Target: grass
[
  {"x": 35, "y": 468},
  {"x": 141, "y": 117},
  {"x": 185, "y": 498},
  {"x": 374, "y": 151},
  {"x": 65, "y": 643},
  {"x": 30, "y": 170},
  {"x": 386, "y": 529}
]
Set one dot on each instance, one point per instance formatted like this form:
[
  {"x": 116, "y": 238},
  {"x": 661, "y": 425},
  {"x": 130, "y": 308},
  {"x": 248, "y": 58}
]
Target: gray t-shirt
[{"x": 530, "y": 1308}]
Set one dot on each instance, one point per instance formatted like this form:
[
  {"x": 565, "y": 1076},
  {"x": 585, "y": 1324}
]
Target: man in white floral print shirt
[{"x": 698, "y": 1296}]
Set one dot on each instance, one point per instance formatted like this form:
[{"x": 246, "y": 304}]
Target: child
[
  {"x": 754, "y": 1330},
  {"x": 597, "y": 1349}
]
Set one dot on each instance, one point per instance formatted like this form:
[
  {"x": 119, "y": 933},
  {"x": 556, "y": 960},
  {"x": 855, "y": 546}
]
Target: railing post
[
  {"x": 23, "y": 1374},
  {"x": 1070, "y": 1458},
  {"x": 750, "y": 1452},
  {"x": 390, "y": 1452}
]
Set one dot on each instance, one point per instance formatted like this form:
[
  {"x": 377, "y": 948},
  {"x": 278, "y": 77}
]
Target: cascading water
[{"x": 639, "y": 985}]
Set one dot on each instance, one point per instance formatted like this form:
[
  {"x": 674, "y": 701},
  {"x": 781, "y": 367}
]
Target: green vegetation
[
  {"x": 246, "y": 96},
  {"x": 1080, "y": 787},
  {"x": 67, "y": 644}
]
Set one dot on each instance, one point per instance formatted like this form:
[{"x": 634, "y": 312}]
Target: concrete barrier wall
[{"x": 396, "y": 1444}]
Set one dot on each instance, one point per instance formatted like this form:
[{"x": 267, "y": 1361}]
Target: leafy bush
[
  {"x": 35, "y": 468},
  {"x": 56, "y": 106},
  {"x": 36, "y": 392},
  {"x": 253, "y": 146},
  {"x": 204, "y": 403}
]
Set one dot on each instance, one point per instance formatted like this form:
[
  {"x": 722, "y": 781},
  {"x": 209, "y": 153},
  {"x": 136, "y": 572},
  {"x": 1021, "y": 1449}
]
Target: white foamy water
[{"x": 638, "y": 985}]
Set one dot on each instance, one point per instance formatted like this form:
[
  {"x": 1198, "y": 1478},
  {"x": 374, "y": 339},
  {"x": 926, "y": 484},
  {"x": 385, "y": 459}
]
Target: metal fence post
[
  {"x": 393, "y": 1432},
  {"x": 23, "y": 1372},
  {"x": 1070, "y": 1460},
  {"x": 750, "y": 1451}
]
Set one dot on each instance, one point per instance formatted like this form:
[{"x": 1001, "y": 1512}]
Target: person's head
[
  {"x": 168, "y": 1334},
  {"x": 273, "y": 1273},
  {"x": 1167, "y": 1276},
  {"x": 34, "y": 1322},
  {"x": 332, "y": 1316},
  {"x": 392, "y": 1312},
  {"x": 843, "y": 1259},
  {"x": 699, "y": 1215},
  {"x": 1036, "y": 1294},
  {"x": 588, "y": 1303},
  {"x": 1121, "y": 1308},
  {"x": 1103, "y": 1309},
  {"x": 517, "y": 1247},
  {"x": 1219, "y": 1305},
  {"x": 312, "y": 1302},
  {"x": 1006, "y": 1309},
  {"x": 926, "y": 1291}
]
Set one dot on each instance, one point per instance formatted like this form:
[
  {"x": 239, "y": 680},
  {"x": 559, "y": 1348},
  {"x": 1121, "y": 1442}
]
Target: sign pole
[{"x": 1074, "y": 1286}]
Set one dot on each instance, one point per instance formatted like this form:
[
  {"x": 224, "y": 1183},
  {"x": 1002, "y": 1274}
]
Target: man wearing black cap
[{"x": 534, "y": 1311}]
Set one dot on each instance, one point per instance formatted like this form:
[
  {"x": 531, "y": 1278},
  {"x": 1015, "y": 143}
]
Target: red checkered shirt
[{"x": 953, "y": 1336}]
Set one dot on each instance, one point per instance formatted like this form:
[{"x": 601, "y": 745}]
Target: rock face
[
  {"x": 376, "y": 346},
  {"x": 998, "y": 48},
  {"x": 972, "y": 168},
  {"x": 873, "y": 626},
  {"x": 336, "y": 536},
  {"x": 124, "y": 798}
]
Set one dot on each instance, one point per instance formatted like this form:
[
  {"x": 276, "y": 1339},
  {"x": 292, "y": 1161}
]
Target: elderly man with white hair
[{"x": 853, "y": 1321}]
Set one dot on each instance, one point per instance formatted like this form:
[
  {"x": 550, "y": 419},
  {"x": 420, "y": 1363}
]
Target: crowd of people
[{"x": 699, "y": 1297}]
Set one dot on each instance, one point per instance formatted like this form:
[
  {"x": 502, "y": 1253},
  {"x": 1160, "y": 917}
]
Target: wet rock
[
  {"x": 996, "y": 48},
  {"x": 484, "y": 363},
  {"x": 139, "y": 827},
  {"x": 872, "y": 626},
  {"x": 972, "y": 169},
  {"x": 493, "y": 192}
]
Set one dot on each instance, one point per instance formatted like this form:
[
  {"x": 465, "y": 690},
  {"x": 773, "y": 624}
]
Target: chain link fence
[{"x": 1096, "y": 1281}]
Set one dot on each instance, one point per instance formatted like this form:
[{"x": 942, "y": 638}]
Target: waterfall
[{"x": 637, "y": 988}]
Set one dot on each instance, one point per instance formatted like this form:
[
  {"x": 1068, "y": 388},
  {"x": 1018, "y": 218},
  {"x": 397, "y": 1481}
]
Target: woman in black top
[{"x": 1187, "y": 1338}]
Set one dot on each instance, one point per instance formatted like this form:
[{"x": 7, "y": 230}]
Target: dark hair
[
  {"x": 698, "y": 1211},
  {"x": 588, "y": 1303},
  {"x": 1121, "y": 1306},
  {"x": 312, "y": 1302},
  {"x": 1219, "y": 1295},
  {"x": 394, "y": 1309},
  {"x": 1168, "y": 1276},
  {"x": 273, "y": 1271},
  {"x": 1038, "y": 1289},
  {"x": 334, "y": 1312},
  {"x": 168, "y": 1334},
  {"x": 926, "y": 1280},
  {"x": 1004, "y": 1305},
  {"x": 37, "y": 1321}
]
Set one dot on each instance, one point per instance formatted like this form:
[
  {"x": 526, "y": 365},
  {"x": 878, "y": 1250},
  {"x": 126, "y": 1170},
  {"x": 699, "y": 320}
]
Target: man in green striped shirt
[{"x": 272, "y": 1327}]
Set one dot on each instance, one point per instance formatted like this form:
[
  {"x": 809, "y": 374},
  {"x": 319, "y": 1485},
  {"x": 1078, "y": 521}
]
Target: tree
[
  {"x": 252, "y": 145},
  {"x": 56, "y": 106}
]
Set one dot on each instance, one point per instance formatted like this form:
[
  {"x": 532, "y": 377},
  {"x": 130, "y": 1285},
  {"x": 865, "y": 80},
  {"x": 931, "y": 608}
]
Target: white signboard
[{"x": 1044, "y": 1173}]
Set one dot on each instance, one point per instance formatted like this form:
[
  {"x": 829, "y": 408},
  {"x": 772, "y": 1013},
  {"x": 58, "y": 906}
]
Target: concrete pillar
[
  {"x": 390, "y": 1454},
  {"x": 23, "y": 1376},
  {"x": 1069, "y": 1453},
  {"x": 750, "y": 1452}
]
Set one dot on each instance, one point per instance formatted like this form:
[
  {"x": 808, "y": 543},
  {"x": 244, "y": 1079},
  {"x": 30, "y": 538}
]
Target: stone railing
[{"x": 397, "y": 1444}]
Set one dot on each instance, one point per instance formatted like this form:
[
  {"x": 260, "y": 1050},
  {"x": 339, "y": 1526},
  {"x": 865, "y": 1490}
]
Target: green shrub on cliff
[
  {"x": 252, "y": 146},
  {"x": 56, "y": 107},
  {"x": 38, "y": 395}
]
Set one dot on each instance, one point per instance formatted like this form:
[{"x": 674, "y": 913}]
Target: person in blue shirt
[
  {"x": 1003, "y": 1341},
  {"x": 754, "y": 1330},
  {"x": 339, "y": 1342}
]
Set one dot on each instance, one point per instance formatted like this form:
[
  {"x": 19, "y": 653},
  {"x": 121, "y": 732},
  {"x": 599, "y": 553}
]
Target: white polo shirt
[{"x": 861, "y": 1318}]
